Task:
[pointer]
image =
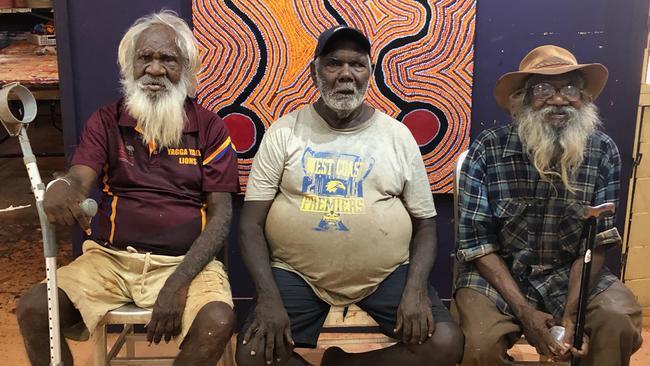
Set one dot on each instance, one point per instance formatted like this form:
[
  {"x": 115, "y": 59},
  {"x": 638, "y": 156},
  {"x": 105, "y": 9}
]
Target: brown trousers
[{"x": 613, "y": 323}]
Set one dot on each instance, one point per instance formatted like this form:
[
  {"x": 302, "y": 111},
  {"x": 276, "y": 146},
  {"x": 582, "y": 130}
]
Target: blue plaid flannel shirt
[{"x": 505, "y": 208}]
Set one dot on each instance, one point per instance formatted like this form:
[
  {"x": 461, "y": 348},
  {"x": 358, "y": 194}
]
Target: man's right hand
[
  {"x": 270, "y": 332},
  {"x": 536, "y": 326},
  {"x": 61, "y": 205}
]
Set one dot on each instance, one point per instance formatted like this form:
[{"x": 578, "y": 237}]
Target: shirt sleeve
[
  {"x": 92, "y": 150},
  {"x": 268, "y": 165},
  {"x": 220, "y": 172},
  {"x": 607, "y": 190},
  {"x": 416, "y": 194},
  {"x": 477, "y": 235}
]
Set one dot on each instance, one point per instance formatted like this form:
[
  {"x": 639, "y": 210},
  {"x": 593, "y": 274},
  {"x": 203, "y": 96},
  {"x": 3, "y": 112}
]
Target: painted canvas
[{"x": 256, "y": 56}]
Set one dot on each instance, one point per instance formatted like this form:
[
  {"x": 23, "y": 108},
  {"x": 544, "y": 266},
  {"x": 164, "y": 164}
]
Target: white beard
[
  {"x": 557, "y": 151},
  {"x": 342, "y": 104},
  {"x": 160, "y": 115}
]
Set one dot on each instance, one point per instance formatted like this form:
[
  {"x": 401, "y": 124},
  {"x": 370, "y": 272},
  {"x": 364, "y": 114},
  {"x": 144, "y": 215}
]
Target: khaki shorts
[{"x": 103, "y": 279}]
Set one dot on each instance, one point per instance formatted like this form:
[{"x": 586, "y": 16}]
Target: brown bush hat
[{"x": 548, "y": 60}]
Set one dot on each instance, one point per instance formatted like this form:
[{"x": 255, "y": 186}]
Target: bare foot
[{"x": 334, "y": 356}]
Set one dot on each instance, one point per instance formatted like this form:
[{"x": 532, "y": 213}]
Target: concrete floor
[{"x": 22, "y": 264}]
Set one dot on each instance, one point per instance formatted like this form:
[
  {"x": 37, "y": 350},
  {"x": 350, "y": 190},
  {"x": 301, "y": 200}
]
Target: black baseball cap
[{"x": 339, "y": 32}]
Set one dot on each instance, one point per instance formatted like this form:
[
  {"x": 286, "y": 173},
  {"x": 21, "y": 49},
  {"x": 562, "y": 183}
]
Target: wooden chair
[
  {"x": 354, "y": 318},
  {"x": 129, "y": 315}
]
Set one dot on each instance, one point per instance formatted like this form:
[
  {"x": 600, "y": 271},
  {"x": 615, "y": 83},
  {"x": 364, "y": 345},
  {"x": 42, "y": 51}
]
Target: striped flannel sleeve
[{"x": 476, "y": 230}]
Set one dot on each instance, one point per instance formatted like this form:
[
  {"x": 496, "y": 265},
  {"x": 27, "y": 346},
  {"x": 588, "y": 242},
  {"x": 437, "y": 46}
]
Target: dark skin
[
  {"x": 348, "y": 63},
  {"x": 557, "y": 100},
  {"x": 268, "y": 339},
  {"x": 156, "y": 55},
  {"x": 535, "y": 324}
]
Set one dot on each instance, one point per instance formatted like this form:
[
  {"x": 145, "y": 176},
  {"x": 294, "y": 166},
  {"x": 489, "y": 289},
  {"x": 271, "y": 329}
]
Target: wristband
[{"x": 56, "y": 180}]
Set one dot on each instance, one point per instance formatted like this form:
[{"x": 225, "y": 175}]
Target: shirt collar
[
  {"x": 513, "y": 144},
  {"x": 191, "y": 125}
]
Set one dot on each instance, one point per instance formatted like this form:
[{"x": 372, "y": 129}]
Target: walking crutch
[
  {"x": 590, "y": 216},
  {"x": 18, "y": 127}
]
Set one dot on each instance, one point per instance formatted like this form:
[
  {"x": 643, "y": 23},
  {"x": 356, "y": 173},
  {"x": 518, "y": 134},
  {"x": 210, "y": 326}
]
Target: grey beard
[
  {"x": 342, "y": 106},
  {"x": 557, "y": 151}
]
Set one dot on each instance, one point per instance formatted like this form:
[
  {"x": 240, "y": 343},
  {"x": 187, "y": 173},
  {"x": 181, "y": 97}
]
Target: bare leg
[
  {"x": 208, "y": 335},
  {"x": 244, "y": 358},
  {"x": 444, "y": 348},
  {"x": 33, "y": 321}
]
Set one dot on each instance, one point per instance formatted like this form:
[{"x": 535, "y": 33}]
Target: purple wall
[
  {"x": 611, "y": 32},
  {"x": 603, "y": 31}
]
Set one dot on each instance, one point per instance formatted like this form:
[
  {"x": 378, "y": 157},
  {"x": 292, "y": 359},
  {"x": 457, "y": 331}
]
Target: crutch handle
[
  {"x": 599, "y": 211},
  {"x": 88, "y": 207}
]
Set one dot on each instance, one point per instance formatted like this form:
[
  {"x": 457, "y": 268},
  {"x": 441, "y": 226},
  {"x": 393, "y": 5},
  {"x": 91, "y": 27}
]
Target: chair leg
[
  {"x": 130, "y": 343},
  {"x": 99, "y": 346}
]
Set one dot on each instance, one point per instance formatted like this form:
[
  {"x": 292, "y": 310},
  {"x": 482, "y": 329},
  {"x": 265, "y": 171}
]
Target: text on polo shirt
[{"x": 186, "y": 156}]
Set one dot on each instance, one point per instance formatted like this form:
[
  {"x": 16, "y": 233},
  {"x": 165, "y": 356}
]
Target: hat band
[{"x": 545, "y": 64}]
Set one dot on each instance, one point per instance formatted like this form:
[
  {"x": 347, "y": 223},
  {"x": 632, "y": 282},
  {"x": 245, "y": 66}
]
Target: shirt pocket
[
  {"x": 570, "y": 228},
  {"x": 510, "y": 214}
]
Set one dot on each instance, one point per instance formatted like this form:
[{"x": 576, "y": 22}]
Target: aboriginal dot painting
[{"x": 256, "y": 54}]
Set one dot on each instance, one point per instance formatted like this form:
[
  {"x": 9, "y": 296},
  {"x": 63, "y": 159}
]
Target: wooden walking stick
[{"x": 591, "y": 216}]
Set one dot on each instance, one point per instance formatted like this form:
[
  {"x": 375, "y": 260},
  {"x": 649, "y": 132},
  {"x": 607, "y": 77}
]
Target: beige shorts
[{"x": 103, "y": 279}]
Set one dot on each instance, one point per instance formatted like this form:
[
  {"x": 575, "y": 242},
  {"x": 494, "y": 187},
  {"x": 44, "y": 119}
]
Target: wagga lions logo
[{"x": 333, "y": 185}]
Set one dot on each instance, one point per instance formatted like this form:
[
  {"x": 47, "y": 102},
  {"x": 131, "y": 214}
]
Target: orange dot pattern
[{"x": 255, "y": 56}]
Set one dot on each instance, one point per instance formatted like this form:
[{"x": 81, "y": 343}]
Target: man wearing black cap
[{"x": 336, "y": 194}]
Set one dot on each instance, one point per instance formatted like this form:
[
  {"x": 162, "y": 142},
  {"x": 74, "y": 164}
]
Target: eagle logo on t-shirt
[{"x": 333, "y": 185}]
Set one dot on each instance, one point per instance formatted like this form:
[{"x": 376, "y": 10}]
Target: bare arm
[
  {"x": 170, "y": 304},
  {"x": 255, "y": 252},
  {"x": 571, "y": 306},
  {"x": 422, "y": 253},
  {"x": 494, "y": 270},
  {"x": 210, "y": 241},
  {"x": 597, "y": 262},
  {"x": 270, "y": 330},
  {"x": 414, "y": 317}
]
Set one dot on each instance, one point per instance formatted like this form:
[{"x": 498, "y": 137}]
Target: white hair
[
  {"x": 185, "y": 42},
  {"x": 556, "y": 151}
]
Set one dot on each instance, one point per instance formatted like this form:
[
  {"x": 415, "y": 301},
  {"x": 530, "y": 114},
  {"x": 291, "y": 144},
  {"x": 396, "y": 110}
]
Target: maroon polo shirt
[{"x": 155, "y": 199}]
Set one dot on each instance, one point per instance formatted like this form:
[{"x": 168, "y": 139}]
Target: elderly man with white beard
[
  {"x": 166, "y": 170},
  {"x": 523, "y": 187},
  {"x": 336, "y": 193}
]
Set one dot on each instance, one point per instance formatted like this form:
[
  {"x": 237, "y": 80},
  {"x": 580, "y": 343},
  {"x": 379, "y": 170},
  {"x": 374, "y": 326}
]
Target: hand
[
  {"x": 570, "y": 350},
  {"x": 167, "y": 315},
  {"x": 414, "y": 317},
  {"x": 61, "y": 205},
  {"x": 536, "y": 326},
  {"x": 270, "y": 329}
]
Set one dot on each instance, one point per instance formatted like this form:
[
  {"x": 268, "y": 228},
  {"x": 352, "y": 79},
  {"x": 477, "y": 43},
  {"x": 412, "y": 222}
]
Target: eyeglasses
[{"x": 544, "y": 91}]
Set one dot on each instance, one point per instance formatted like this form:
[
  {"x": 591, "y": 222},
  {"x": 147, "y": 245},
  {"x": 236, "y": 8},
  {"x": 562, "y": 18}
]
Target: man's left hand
[
  {"x": 167, "y": 315},
  {"x": 569, "y": 331},
  {"x": 414, "y": 317}
]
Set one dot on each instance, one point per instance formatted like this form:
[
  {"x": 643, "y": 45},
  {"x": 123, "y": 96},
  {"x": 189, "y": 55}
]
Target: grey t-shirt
[{"x": 341, "y": 200}]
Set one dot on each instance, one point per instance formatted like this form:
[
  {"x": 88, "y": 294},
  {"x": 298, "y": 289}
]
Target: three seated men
[{"x": 338, "y": 211}]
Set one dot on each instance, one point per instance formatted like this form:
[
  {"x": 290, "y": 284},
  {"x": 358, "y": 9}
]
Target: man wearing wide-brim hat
[{"x": 523, "y": 189}]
